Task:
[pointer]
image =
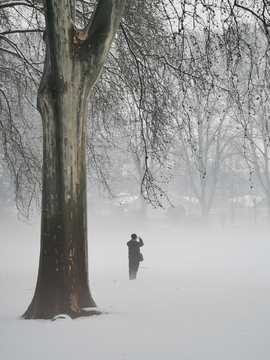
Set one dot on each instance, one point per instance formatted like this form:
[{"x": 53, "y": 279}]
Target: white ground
[{"x": 200, "y": 295}]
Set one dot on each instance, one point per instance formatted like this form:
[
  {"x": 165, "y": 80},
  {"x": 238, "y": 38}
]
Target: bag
[{"x": 141, "y": 257}]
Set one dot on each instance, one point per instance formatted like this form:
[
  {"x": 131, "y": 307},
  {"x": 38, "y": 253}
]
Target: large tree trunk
[
  {"x": 73, "y": 64},
  {"x": 62, "y": 285}
]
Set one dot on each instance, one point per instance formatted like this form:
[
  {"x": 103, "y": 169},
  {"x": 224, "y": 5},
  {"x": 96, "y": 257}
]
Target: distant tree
[
  {"x": 7, "y": 203},
  {"x": 207, "y": 145}
]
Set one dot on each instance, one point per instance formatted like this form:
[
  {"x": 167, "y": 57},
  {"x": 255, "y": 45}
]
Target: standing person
[{"x": 134, "y": 255}]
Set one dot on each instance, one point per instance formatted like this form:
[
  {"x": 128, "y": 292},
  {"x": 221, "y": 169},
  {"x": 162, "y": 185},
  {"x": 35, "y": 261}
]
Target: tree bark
[{"x": 74, "y": 60}]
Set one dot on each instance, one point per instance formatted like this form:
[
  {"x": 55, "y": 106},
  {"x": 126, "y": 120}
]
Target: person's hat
[{"x": 133, "y": 236}]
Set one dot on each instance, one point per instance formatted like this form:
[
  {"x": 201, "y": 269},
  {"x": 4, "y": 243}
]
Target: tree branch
[
  {"x": 104, "y": 24},
  {"x": 10, "y": 3}
]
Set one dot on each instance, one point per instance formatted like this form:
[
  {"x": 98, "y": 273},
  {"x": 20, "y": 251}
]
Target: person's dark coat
[
  {"x": 134, "y": 256},
  {"x": 134, "y": 249}
]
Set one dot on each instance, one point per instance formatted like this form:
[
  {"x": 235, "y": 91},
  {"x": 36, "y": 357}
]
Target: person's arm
[{"x": 141, "y": 242}]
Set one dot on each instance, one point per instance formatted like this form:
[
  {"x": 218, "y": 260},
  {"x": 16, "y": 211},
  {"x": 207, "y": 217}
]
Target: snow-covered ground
[{"x": 200, "y": 295}]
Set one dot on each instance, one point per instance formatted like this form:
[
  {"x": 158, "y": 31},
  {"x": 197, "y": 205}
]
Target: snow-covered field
[{"x": 200, "y": 295}]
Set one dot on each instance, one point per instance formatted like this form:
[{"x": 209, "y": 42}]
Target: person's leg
[
  {"x": 131, "y": 270},
  {"x": 136, "y": 267}
]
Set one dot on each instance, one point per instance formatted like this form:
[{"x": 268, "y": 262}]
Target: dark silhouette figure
[{"x": 134, "y": 255}]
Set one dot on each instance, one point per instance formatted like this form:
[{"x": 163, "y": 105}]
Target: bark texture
[{"x": 74, "y": 60}]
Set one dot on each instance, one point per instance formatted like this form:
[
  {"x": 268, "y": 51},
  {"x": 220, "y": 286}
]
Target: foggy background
[{"x": 201, "y": 292}]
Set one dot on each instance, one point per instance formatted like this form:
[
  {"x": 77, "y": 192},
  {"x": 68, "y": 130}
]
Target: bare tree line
[
  {"x": 205, "y": 81},
  {"x": 163, "y": 51}
]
